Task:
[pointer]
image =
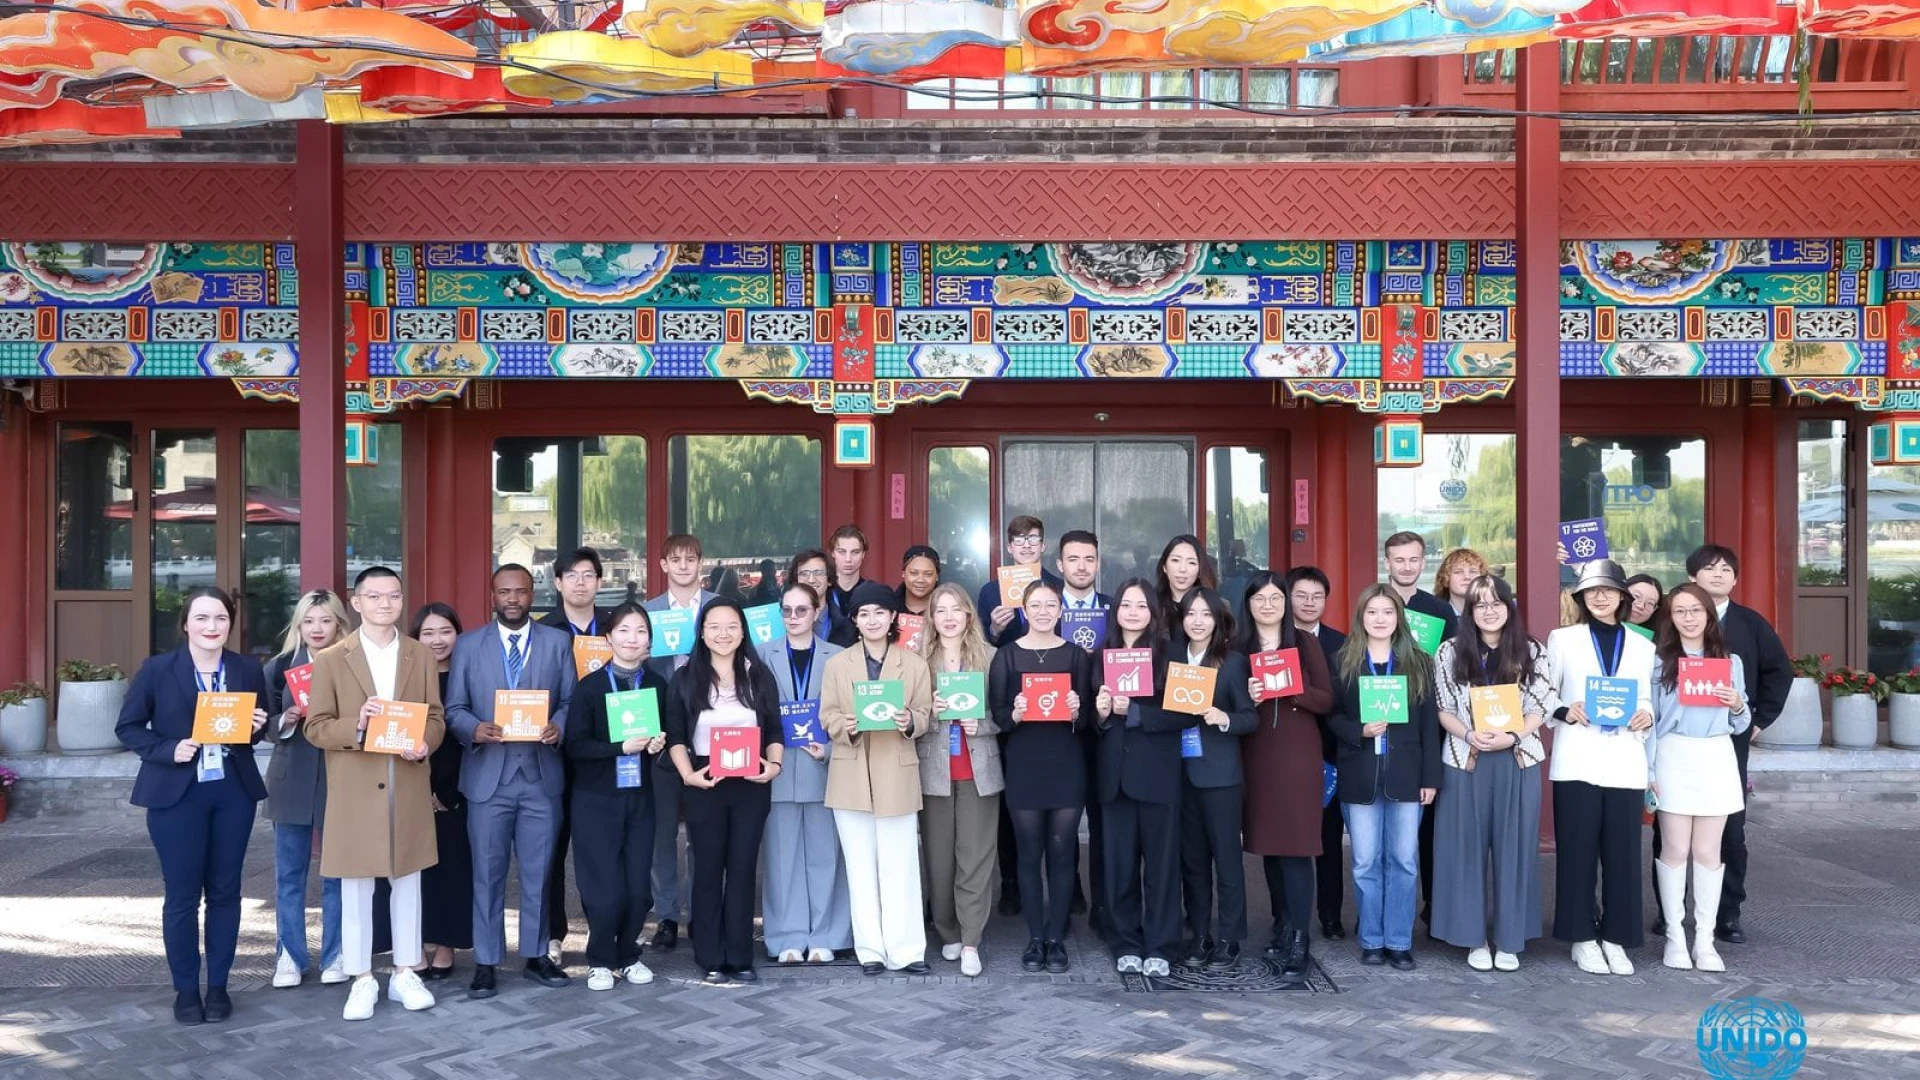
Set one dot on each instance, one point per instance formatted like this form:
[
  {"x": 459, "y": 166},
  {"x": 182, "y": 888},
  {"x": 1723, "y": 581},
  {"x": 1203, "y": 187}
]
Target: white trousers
[
  {"x": 883, "y": 886},
  {"x": 356, "y": 923}
]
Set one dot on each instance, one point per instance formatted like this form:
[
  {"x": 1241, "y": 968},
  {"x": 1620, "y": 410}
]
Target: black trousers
[
  {"x": 1141, "y": 842},
  {"x": 1290, "y": 886},
  {"x": 1211, "y": 862},
  {"x": 1598, "y": 835},
  {"x": 1330, "y": 869},
  {"x": 1426, "y": 867},
  {"x": 613, "y": 864},
  {"x": 557, "y": 870},
  {"x": 1096, "y": 892},
  {"x": 1733, "y": 846},
  {"x": 724, "y": 827},
  {"x": 202, "y": 844}
]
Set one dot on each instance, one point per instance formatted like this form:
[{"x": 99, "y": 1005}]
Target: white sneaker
[
  {"x": 970, "y": 962},
  {"x": 1617, "y": 961},
  {"x": 1505, "y": 961},
  {"x": 950, "y": 951},
  {"x": 1156, "y": 966},
  {"x": 600, "y": 979},
  {"x": 1480, "y": 959},
  {"x": 286, "y": 973},
  {"x": 791, "y": 956},
  {"x": 406, "y": 988},
  {"x": 1590, "y": 959},
  {"x": 334, "y": 975},
  {"x": 637, "y": 973},
  {"x": 820, "y": 956},
  {"x": 1127, "y": 965},
  {"x": 362, "y": 998},
  {"x": 557, "y": 952}
]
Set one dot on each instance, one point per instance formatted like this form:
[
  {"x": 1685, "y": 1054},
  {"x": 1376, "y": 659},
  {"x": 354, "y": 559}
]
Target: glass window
[
  {"x": 374, "y": 508},
  {"x": 1221, "y": 85},
  {"x": 1893, "y": 568},
  {"x": 753, "y": 500},
  {"x": 959, "y": 509},
  {"x": 1122, "y": 89},
  {"x": 185, "y": 534},
  {"x": 270, "y": 537},
  {"x": 976, "y": 94},
  {"x": 1319, "y": 87},
  {"x": 1022, "y": 92},
  {"x": 1051, "y": 479},
  {"x": 1133, "y": 493},
  {"x": 1270, "y": 86},
  {"x": 1821, "y": 544},
  {"x": 1461, "y": 497},
  {"x": 1172, "y": 84},
  {"x": 93, "y": 507},
  {"x": 1071, "y": 93},
  {"x": 1650, "y": 489},
  {"x": 1237, "y": 533},
  {"x": 937, "y": 95},
  {"x": 553, "y": 495}
]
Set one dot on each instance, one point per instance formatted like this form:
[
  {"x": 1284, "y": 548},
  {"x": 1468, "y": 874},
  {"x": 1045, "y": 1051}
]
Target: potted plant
[
  {"x": 1856, "y": 707},
  {"x": 1799, "y": 724},
  {"x": 1903, "y": 709},
  {"x": 23, "y": 718},
  {"x": 8, "y": 778},
  {"x": 89, "y": 706}
]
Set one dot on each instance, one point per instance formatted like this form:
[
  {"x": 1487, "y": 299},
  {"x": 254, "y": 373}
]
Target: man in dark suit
[
  {"x": 680, "y": 560},
  {"x": 513, "y": 789},
  {"x": 1769, "y": 674},
  {"x": 1079, "y": 564},
  {"x": 577, "y": 574},
  {"x": 1307, "y": 589}
]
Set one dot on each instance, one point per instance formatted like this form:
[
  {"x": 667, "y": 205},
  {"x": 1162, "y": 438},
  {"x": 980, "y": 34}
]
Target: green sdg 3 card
[
  {"x": 1383, "y": 698},
  {"x": 965, "y": 693},
  {"x": 633, "y": 714},
  {"x": 875, "y": 703}
]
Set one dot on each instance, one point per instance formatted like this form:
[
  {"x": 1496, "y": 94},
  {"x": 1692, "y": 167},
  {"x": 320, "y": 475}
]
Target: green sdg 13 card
[
  {"x": 633, "y": 714},
  {"x": 965, "y": 693},
  {"x": 877, "y": 702},
  {"x": 1383, "y": 698}
]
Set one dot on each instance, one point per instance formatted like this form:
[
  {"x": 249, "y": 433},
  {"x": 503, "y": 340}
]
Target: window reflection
[
  {"x": 1821, "y": 543},
  {"x": 1651, "y": 490},
  {"x": 753, "y": 500},
  {"x": 552, "y": 495},
  {"x": 1462, "y": 496},
  {"x": 93, "y": 508},
  {"x": 1893, "y": 567},
  {"x": 959, "y": 514}
]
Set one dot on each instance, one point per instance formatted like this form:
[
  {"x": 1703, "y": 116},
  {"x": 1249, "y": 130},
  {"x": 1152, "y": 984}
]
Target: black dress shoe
[
  {"x": 437, "y": 974},
  {"x": 1373, "y": 957},
  {"x": 482, "y": 986},
  {"x": 545, "y": 972},
  {"x": 1009, "y": 902},
  {"x": 718, "y": 978},
  {"x": 187, "y": 1008},
  {"x": 1198, "y": 955},
  {"x": 1225, "y": 958},
  {"x": 1333, "y": 931},
  {"x": 1276, "y": 949},
  {"x": 1730, "y": 933},
  {"x": 747, "y": 975},
  {"x": 1401, "y": 959},
  {"x": 918, "y": 967},
  {"x": 666, "y": 935},
  {"x": 1294, "y": 968},
  {"x": 873, "y": 967},
  {"x": 1057, "y": 958},
  {"x": 1035, "y": 957},
  {"x": 219, "y": 1005}
]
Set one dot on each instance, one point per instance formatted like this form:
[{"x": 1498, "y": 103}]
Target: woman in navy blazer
[{"x": 199, "y": 800}]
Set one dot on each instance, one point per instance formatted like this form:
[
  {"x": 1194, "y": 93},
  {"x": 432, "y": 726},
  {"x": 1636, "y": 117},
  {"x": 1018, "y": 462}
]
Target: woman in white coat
[{"x": 1604, "y": 673}]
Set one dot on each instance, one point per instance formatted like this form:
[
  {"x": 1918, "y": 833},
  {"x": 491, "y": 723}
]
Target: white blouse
[
  {"x": 1603, "y": 757},
  {"x": 725, "y": 711}
]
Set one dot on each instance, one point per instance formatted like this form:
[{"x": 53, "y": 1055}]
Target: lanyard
[
  {"x": 592, "y": 630},
  {"x": 615, "y": 683},
  {"x": 802, "y": 675},
  {"x": 1619, "y": 645},
  {"x": 1375, "y": 668},
  {"x": 219, "y": 683}
]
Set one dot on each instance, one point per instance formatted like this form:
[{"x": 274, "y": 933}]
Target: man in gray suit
[
  {"x": 513, "y": 789},
  {"x": 680, "y": 562}
]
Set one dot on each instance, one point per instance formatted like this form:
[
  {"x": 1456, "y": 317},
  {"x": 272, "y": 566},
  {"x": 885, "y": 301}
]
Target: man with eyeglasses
[
  {"x": 578, "y": 575},
  {"x": 1307, "y": 590},
  {"x": 1026, "y": 543}
]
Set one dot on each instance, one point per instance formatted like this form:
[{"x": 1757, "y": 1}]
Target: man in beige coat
[
  {"x": 379, "y": 821},
  {"x": 873, "y": 787}
]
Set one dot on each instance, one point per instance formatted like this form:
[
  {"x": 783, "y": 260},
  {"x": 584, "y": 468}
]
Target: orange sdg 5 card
[
  {"x": 399, "y": 727},
  {"x": 521, "y": 714},
  {"x": 223, "y": 718}
]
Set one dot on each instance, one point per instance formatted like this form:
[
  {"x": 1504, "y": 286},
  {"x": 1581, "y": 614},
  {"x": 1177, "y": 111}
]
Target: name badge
[
  {"x": 212, "y": 763},
  {"x": 1190, "y": 742},
  {"x": 955, "y": 740},
  {"x": 626, "y": 771}
]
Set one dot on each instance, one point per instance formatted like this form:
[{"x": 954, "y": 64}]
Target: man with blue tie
[
  {"x": 513, "y": 789},
  {"x": 1078, "y": 561},
  {"x": 680, "y": 561}
]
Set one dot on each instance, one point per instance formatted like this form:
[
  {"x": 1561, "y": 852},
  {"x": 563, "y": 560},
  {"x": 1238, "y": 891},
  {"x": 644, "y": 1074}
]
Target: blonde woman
[
  {"x": 1458, "y": 571},
  {"x": 960, "y": 781},
  {"x": 297, "y": 794}
]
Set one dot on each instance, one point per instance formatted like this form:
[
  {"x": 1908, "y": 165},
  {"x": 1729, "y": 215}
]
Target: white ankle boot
[
  {"x": 1673, "y": 911},
  {"x": 1706, "y": 908}
]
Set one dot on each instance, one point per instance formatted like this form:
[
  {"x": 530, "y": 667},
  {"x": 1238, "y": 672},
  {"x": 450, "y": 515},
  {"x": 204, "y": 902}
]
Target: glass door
[{"x": 183, "y": 511}]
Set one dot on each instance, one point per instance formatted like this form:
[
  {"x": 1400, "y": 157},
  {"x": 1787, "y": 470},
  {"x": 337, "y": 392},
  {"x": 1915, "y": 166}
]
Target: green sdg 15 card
[{"x": 633, "y": 714}]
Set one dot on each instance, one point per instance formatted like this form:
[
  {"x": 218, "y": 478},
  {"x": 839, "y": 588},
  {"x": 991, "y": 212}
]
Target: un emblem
[
  {"x": 1751, "y": 1038},
  {"x": 1083, "y": 637}
]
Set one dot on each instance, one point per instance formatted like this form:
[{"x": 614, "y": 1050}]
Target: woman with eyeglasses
[
  {"x": 960, "y": 785},
  {"x": 1285, "y": 771},
  {"x": 1644, "y": 594},
  {"x": 297, "y": 794},
  {"x": 804, "y": 913},
  {"x": 812, "y": 568},
  {"x": 1487, "y": 828}
]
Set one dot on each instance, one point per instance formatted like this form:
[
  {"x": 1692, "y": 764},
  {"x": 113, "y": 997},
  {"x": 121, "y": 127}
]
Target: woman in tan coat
[
  {"x": 873, "y": 785},
  {"x": 379, "y": 819}
]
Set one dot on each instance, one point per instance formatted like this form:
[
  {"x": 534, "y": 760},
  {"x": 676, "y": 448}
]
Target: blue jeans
[
  {"x": 292, "y": 855},
  {"x": 1386, "y": 870}
]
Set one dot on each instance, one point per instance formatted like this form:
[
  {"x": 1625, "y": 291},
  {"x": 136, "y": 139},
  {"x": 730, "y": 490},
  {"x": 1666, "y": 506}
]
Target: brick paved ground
[{"x": 1835, "y": 923}]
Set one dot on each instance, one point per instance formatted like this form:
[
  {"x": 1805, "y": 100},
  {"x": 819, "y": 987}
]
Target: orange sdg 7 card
[{"x": 223, "y": 718}]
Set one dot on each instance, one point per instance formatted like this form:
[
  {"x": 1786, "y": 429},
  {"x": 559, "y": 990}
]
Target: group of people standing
[{"x": 892, "y": 749}]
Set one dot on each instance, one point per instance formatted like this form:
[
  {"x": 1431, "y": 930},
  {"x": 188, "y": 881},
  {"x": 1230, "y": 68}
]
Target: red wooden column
[
  {"x": 319, "y": 253},
  {"x": 23, "y": 571},
  {"x": 1537, "y": 386}
]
